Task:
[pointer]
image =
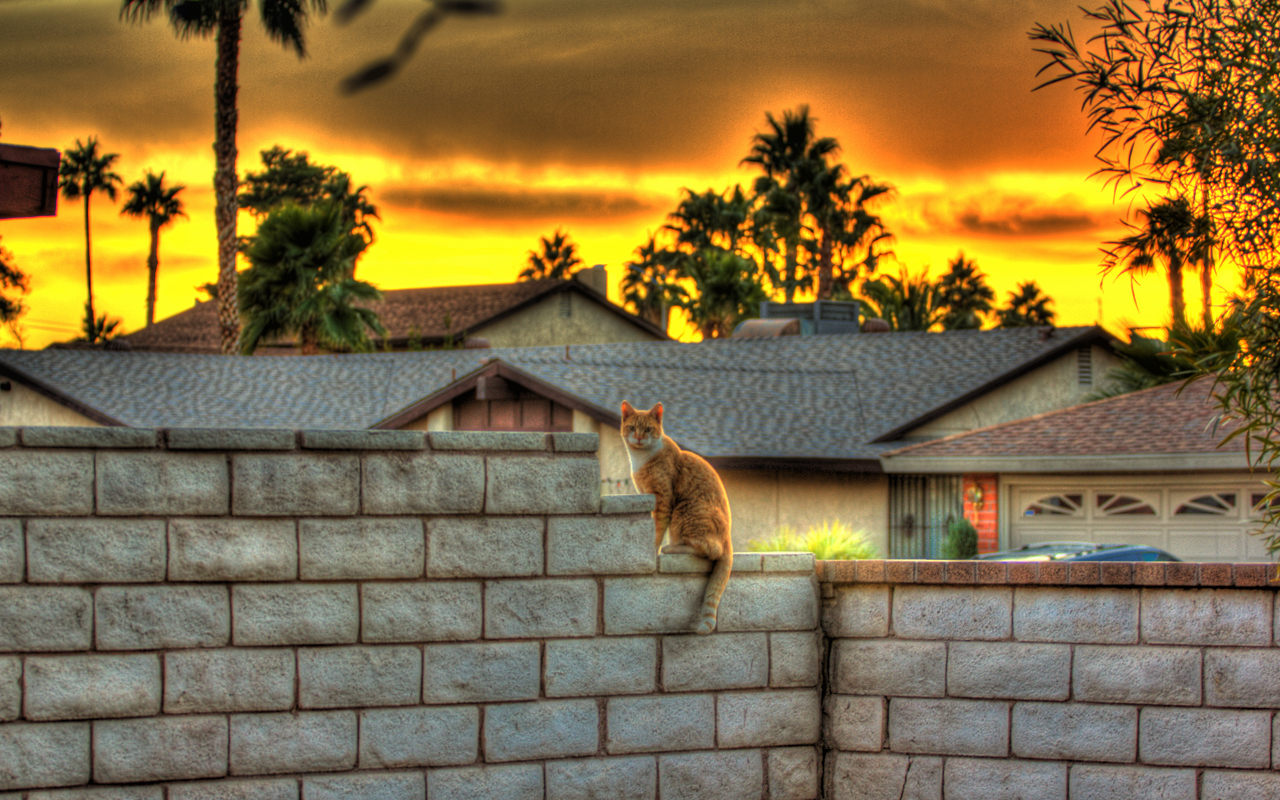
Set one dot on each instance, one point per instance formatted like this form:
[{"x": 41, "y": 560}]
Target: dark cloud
[
  {"x": 1005, "y": 215},
  {"x": 497, "y": 203}
]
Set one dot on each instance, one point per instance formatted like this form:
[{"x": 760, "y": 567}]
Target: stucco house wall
[
  {"x": 21, "y": 405},
  {"x": 586, "y": 322}
]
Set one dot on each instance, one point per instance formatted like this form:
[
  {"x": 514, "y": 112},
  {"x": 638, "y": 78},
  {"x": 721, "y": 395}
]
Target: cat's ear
[
  {"x": 627, "y": 410},
  {"x": 656, "y": 411}
]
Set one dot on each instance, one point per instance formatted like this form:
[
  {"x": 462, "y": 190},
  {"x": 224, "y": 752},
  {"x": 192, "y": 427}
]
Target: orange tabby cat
[{"x": 690, "y": 499}]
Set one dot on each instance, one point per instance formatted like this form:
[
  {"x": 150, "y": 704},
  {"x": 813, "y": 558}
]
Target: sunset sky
[{"x": 577, "y": 114}]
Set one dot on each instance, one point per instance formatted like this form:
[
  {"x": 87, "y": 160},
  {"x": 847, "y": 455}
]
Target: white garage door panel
[{"x": 1207, "y": 519}]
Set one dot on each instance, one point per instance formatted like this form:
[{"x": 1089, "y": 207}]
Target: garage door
[{"x": 1197, "y": 519}]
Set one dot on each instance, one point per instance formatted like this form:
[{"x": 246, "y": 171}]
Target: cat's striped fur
[{"x": 691, "y": 502}]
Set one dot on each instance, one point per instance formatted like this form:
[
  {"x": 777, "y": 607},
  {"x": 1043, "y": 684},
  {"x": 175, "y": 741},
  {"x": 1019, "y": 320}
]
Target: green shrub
[
  {"x": 961, "y": 540},
  {"x": 830, "y": 541}
]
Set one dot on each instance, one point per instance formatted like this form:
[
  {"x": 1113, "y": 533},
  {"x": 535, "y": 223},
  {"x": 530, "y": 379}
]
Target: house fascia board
[
  {"x": 1156, "y": 462},
  {"x": 497, "y": 367},
  {"x": 1096, "y": 334},
  {"x": 864, "y": 465},
  {"x": 37, "y": 385}
]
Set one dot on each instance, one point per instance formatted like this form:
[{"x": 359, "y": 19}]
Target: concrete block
[
  {"x": 162, "y": 484},
  {"x": 601, "y": 666},
  {"x": 1205, "y": 737},
  {"x": 629, "y": 504},
  {"x": 159, "y": 749},
  {"x": 544, "y": 729},
  {"x": 725, "y": 661},
  {"x": 374, "y": 786},
  {"x": 486, "y": 782},
  {"x": 603, "y": 545},
  {"x": 91, "y": 437},
  {"x": 1092, "y": 616},
  {"x": 859, "y": 776},
  {"x": 361, "y": 549},
  {"x": 1143, "y": 675},
  {"x": 1242, "y": 678},
  {"x": 663, "y": 604},
  {"x": 469, "y": 547},
  {"x": 435, "y": 611},
  {"x": 95, "y": 550},
  {"x": 952, "y": 612},
  {"x": 769, "y": 602},
  {"x": 39, "y": 754},
  {"x": 236, "y": 789},
  {"x": 1232, "y": 785},
  {"x": 695, "y": 776},
  {"x": 222, "y": 549},
  {"x": 421, "y": 612},
  {"x": 232, "y": 439},
  {"x": 769, "y": 719},
  {"x": 967, "y": 778},
  {"x": 481, "y": 672},
  {"x": 422, "y": 483},
  {"x": 1097, "y": 782},
  {"x": 618, "y": 778},
  {"x": 1009, "y": 669},
  {"x": 793, "y": 773},
  {"x": 12, "y": 551},
  {"x": 488, "y": 440},
  {"x": 795, "y": 659},
  {"x": 889, "y": 667},
  {"x": 91, "y": 686},
  {"x": 8, "y": 436},
  {"x": 10, "y": 688},
  {"x": 337, "y": 677},
  {"x": 542, "y": 485},
  {"x": 229, "y": 680},
  {"x": 855, "y": 723},
  {"x": 1074, "y": 731},
  {"x": 154, "y": 792},
  {"x": 1206, "y": 616},
  {"x": 680, "y": 563},
  {"x": 311, "y": 741},
  {"x": 858, "y": 611},
  {"x": 364, "y": 440},
  {"x": 949, "y": 727},
  {"x": 302, "y": 484},
  {"x": 45, "y": 618},
  {"x": 661, "y": 723},
  {"x": 46, "y": 483},
  {"x": 295, "y": 613},
  {"x": 540, "y": 608},
  {"x": 575, "y": 442},
  {"x": 432, "y": 736},
  {"x": 161, "y": 617},
  {"x": 742, "y": 562},
  {"x": 787, "y": 562}
]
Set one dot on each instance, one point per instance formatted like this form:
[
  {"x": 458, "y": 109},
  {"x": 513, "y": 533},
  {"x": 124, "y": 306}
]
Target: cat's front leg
[{"x": 661, "y": 521}]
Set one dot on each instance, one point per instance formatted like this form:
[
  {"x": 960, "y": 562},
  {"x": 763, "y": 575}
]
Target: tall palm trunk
[
  {"x": 88, "y": 267},
  {"x": 1206, "y": 286},
  {"x": 1177, "y": 298},
  {"x": 153, "y": 265},
  {"x": 793, "y": 261},
  {"x": 825, "y": 278},
  {"x": 225, "y": 180}
]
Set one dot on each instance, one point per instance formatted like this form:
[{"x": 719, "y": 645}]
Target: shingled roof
[
  {"x": 1172, "y": 419},
  {"x": 813, "y": 399},
  {"x": 404, "y": 312}
]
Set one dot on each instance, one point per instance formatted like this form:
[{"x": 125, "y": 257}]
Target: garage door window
[
  {"x": 1057, "y": 505},
  {"x": 1113, "y": 505},
  {"x": 1217, "y": 504}
]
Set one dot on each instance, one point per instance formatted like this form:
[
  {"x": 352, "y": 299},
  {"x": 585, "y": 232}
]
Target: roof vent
[
  {"x": 117, "y": 344},
  {"x": 1046, "y": 333},
  {"x": 766, "y": 328},
  {"x": 875, "y": 325},
  {"x": 476, "y": 343}
]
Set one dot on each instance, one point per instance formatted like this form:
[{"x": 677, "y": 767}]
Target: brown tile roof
[
  {"x": 1161, "y": 420},
  {"x": 466, "y": 308}
]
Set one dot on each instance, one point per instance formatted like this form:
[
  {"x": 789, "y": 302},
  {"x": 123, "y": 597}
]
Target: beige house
[{"x": 796, "y": 425}]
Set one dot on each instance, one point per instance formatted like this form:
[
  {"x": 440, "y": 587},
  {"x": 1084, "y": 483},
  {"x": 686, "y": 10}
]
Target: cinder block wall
[
  {"x": 382, "y": 615},
  {"x": 1089, "y": 681}
]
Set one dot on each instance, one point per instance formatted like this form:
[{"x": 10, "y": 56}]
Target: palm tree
[
  {"x": 710, "y": 219},
  {"x": 649, "y": 284},
  {"x": 283, "y": 20},
  {"x": 299, "y": 283},
  {"x": 11, "y": 278},
  {"x": 556, "y": 261},
  {"x": 82, "y": 172},
  {"x": 907, "y": 302},
  {"x": 965, "y": 294},
  {"x": 1026, "y": 308},
  {"x": 728, "y": 290},
  {"x": 1171, "y": 233},
  {"x": 150, "y": 198},
  {"x": 789, "y": 155},
  {"x": 844, "y": 227}
]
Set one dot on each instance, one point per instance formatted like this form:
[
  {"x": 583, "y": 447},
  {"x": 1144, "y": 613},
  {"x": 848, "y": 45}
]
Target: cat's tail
[{"x": 715, "y": 587}]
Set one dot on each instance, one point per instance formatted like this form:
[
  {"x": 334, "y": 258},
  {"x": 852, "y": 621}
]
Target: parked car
[{"x": 1080, "y": 551}]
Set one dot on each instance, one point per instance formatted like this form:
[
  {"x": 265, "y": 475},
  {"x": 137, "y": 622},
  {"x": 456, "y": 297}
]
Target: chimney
[{"x": 596, "y": 277}]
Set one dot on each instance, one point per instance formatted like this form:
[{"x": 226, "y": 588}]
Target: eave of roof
[{"x": 37, "y": 385}]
